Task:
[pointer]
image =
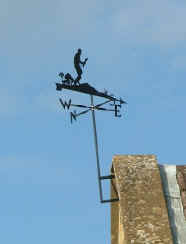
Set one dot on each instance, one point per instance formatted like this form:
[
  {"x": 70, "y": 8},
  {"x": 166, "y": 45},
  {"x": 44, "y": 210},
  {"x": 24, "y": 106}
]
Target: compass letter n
[
  {"x": 65, "y": 104},
  {"x": 72, "y": 116}
]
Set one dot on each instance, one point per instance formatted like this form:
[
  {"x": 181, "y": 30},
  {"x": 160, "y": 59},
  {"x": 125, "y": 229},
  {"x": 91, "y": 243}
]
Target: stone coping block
[{"x": 140, "y": 216}]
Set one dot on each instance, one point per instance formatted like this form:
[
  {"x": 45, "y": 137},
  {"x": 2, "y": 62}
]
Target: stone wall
[{"x": 140, "y": 216}]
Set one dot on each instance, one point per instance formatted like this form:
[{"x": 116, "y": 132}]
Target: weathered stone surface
[
  {"x": 181, "y": 179},
  {"x": 141, "y": 213},
  {"x": 183, "y": 197}
]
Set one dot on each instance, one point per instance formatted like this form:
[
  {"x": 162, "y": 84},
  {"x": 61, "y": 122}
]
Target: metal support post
[{"x": 97, "y": 158}]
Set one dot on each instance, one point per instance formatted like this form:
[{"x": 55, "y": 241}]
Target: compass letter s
[{"x": 65, "y": 104}]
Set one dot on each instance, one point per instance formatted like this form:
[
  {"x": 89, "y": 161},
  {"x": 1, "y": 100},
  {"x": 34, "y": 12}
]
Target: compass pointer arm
[
  {"x": 79, "y": 106},
  {"x": 100, "y": 104},
  {"x": 83, "y": 112},
  {"x": 105, "y": 109}
]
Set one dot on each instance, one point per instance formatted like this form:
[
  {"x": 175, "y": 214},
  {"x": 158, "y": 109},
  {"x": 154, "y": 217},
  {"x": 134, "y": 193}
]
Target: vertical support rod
[{"x": 96, "y": 148}]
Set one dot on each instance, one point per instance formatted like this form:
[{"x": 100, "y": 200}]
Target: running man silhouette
[{"x": 77, "y": 62}]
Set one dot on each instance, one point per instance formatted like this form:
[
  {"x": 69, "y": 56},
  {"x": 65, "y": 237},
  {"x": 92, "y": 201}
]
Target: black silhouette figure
[
  {"x": 68, "y": 78},
  {"x": 77, "y": 62}
]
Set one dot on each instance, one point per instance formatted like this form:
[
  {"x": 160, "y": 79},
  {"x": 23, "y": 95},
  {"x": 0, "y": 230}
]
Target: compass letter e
[{"x": 117, "y": 110}]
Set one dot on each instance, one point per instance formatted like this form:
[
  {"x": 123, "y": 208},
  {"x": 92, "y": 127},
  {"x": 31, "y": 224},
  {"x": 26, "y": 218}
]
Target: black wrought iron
[{"x": 69, "y": 83}]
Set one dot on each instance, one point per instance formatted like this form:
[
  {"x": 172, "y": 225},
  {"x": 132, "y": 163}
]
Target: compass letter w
[{"x": 65, "y": 104}]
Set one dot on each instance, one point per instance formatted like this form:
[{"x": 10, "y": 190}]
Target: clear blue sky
[{"x": 136, "y": 50}]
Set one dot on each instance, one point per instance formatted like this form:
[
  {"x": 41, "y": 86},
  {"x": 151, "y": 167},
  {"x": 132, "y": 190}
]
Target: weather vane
[{"x": 73, "y": 84}]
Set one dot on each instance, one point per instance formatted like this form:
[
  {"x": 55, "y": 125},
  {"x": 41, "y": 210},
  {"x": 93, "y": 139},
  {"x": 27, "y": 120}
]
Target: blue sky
[{"x": 136, "y": 50}]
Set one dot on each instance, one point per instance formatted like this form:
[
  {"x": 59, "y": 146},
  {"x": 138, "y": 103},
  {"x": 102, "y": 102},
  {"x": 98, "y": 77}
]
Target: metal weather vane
[{"x": 69, "y": 83}]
